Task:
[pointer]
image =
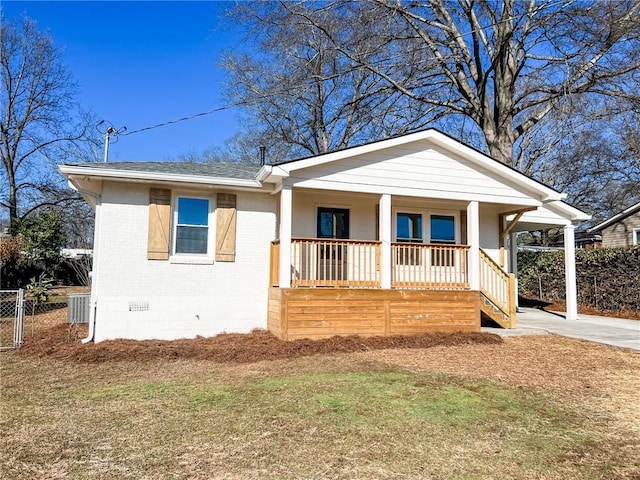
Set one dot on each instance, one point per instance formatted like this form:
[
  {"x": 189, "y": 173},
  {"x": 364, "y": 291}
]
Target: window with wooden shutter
[
  {"x": 192, "y": 226},
  {"x": 159, "y": 224},
  {"x": 226, "y": 213}
]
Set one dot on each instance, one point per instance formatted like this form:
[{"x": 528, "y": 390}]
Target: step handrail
[{"x": 497, "y": 286}]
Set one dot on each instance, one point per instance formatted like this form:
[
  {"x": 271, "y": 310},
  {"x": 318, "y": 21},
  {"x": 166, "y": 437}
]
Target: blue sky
[{"x": 143, "y": 63}]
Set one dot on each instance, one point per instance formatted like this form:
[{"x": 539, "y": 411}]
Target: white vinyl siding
[{"x": 416, "y": 170}]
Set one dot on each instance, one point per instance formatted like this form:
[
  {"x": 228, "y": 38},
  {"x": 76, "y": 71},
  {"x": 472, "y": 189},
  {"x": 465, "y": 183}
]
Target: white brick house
[{"x": 404, "y": 235}]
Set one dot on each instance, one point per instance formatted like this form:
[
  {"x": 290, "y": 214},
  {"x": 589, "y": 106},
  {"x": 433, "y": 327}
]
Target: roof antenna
[{"x": 263, "y": 154}]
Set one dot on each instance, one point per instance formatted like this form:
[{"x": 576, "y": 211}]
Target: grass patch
[{"x": 178, "y": 420}]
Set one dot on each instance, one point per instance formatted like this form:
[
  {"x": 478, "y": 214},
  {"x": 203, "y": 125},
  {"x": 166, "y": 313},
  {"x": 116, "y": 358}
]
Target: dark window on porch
[
  {"x": 408, "y": 230},
  {"x": 333, "y": 222},
  {"x": 332, "y": 258},
  {"x": 409, "y": 227},
  {"x": 443, "y": 231}
]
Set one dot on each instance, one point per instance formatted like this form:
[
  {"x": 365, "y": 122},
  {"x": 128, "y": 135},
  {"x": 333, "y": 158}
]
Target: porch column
[
  {"x": 513, "y": 263},
  {"x": 385, "y": 239},
  {"x": 473, "y": 237},
  {"x": 570, "y": 272},
  {"x": 285, "y": 237}
]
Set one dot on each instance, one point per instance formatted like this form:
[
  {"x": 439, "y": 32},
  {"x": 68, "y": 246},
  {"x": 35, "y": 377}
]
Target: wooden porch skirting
[{"x": 324, "y": 312}]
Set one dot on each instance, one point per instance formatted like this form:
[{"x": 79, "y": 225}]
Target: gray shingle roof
[{"x": 244, "y": 171}]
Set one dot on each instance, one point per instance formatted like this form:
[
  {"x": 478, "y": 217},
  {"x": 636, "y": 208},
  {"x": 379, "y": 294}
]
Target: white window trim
[
  {"x": 426, "y": 221},
  {"x": 635, "y": 235},
  {"x": 193, "y": 258}
]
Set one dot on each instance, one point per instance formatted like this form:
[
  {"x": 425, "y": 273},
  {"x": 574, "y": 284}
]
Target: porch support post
[
  {"x": 570, "y": 272},
  {"x": 473, "y": 237},
  {"x": 285, "y": 237},
  {"x": 513, "y": 255},
  {"x": 385, "y": 240}
]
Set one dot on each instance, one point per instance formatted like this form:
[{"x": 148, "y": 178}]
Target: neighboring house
[
  {"x": 621, "y": 230},
  {"x": 76, "y": 252},
  {"x": 404, "y": 235},
  {"x": 583, "y": 240}
]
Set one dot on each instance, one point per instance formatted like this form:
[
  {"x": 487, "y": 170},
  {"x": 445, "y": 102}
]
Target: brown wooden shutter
[
  {"x": 226, "y": 227},
  {"x": 159, "y": 224}
]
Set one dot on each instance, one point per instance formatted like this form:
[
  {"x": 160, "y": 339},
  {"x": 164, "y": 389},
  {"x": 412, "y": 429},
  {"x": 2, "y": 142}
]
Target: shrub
[{"x": 607, "y": 278}]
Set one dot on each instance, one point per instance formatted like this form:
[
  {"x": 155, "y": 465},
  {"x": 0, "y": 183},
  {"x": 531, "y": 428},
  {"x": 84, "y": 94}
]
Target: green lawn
[{"x": 324, "y": 417}]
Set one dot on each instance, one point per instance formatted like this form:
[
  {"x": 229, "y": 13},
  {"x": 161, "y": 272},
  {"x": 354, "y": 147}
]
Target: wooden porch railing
[
  {"x": 356, "y": 264},
  {"x": 498, "y": 286},
  {"x": 433, "y": 266},
  {"x": 335, "y": 263}
]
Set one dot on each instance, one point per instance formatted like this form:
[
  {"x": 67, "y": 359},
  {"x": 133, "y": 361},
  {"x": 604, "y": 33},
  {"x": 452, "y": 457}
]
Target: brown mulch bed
[{"x": 61, "y": 342}]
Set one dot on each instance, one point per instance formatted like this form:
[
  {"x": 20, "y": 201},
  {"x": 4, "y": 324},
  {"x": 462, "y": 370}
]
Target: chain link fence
[
  {"x": 39, "y": 317},
  {"x": 11, "y": 318},
  {"x": 23, "y": 317}
]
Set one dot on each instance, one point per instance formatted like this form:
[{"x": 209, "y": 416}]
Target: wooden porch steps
[{"x": 488, "y": 308}]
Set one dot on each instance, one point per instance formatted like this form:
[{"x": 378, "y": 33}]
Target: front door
[{"x": 333, "y": 223}]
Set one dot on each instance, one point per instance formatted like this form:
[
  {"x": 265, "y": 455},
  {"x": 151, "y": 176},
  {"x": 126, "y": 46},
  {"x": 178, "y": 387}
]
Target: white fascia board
[
  {"x": 550, "y": 214},
  {"x": 567, "y": 211},
  {"x": 70, "y": 170},
  {"x": 264, "y": 172},
  {"x": 545, "y": 193},
  {"x": 272, "y": 174}
]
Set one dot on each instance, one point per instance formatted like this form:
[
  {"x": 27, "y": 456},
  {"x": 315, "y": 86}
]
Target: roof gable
[
  {"x": 416, "y": 169},
  {"x": 617, "y": 218},
  {"x": 442, "y": 142}
]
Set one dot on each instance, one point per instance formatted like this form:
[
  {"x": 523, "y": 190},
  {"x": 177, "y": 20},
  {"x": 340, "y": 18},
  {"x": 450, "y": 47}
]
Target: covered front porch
[
  {"x": 409, "y": 234},
  {"x": 395, "y": 283}
]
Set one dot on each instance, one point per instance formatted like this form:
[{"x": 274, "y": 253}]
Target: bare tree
[
  {"x": 243, "y": 147},
  {"x": 39, "y": 120},
  {"x": 301, "y": 90},
  {"x": 505, "y": 66}
]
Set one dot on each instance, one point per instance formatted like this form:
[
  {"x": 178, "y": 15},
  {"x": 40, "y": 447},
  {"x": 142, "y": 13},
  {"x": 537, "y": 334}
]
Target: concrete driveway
[{"x": 611, "y": 331}]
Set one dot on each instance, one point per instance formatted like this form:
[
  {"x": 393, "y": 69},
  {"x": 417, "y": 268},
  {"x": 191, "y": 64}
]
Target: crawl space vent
[{"x": 138, "y": 306}]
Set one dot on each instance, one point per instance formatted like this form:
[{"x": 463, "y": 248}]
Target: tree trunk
[
  {"x": 500, "y": 146},
  {"x": 13, "y": 204}
]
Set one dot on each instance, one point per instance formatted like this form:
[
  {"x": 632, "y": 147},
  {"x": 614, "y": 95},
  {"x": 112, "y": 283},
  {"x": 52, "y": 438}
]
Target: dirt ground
[
  {"x": 544, "y": 362},
  {"x": 63, "y": 342},
  {"x": 602, "y": 380}
]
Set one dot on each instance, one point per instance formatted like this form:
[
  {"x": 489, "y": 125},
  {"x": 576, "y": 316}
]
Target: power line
[
  {"x": 190, "y": 117},
  {"x": 317, "y": 80}
]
